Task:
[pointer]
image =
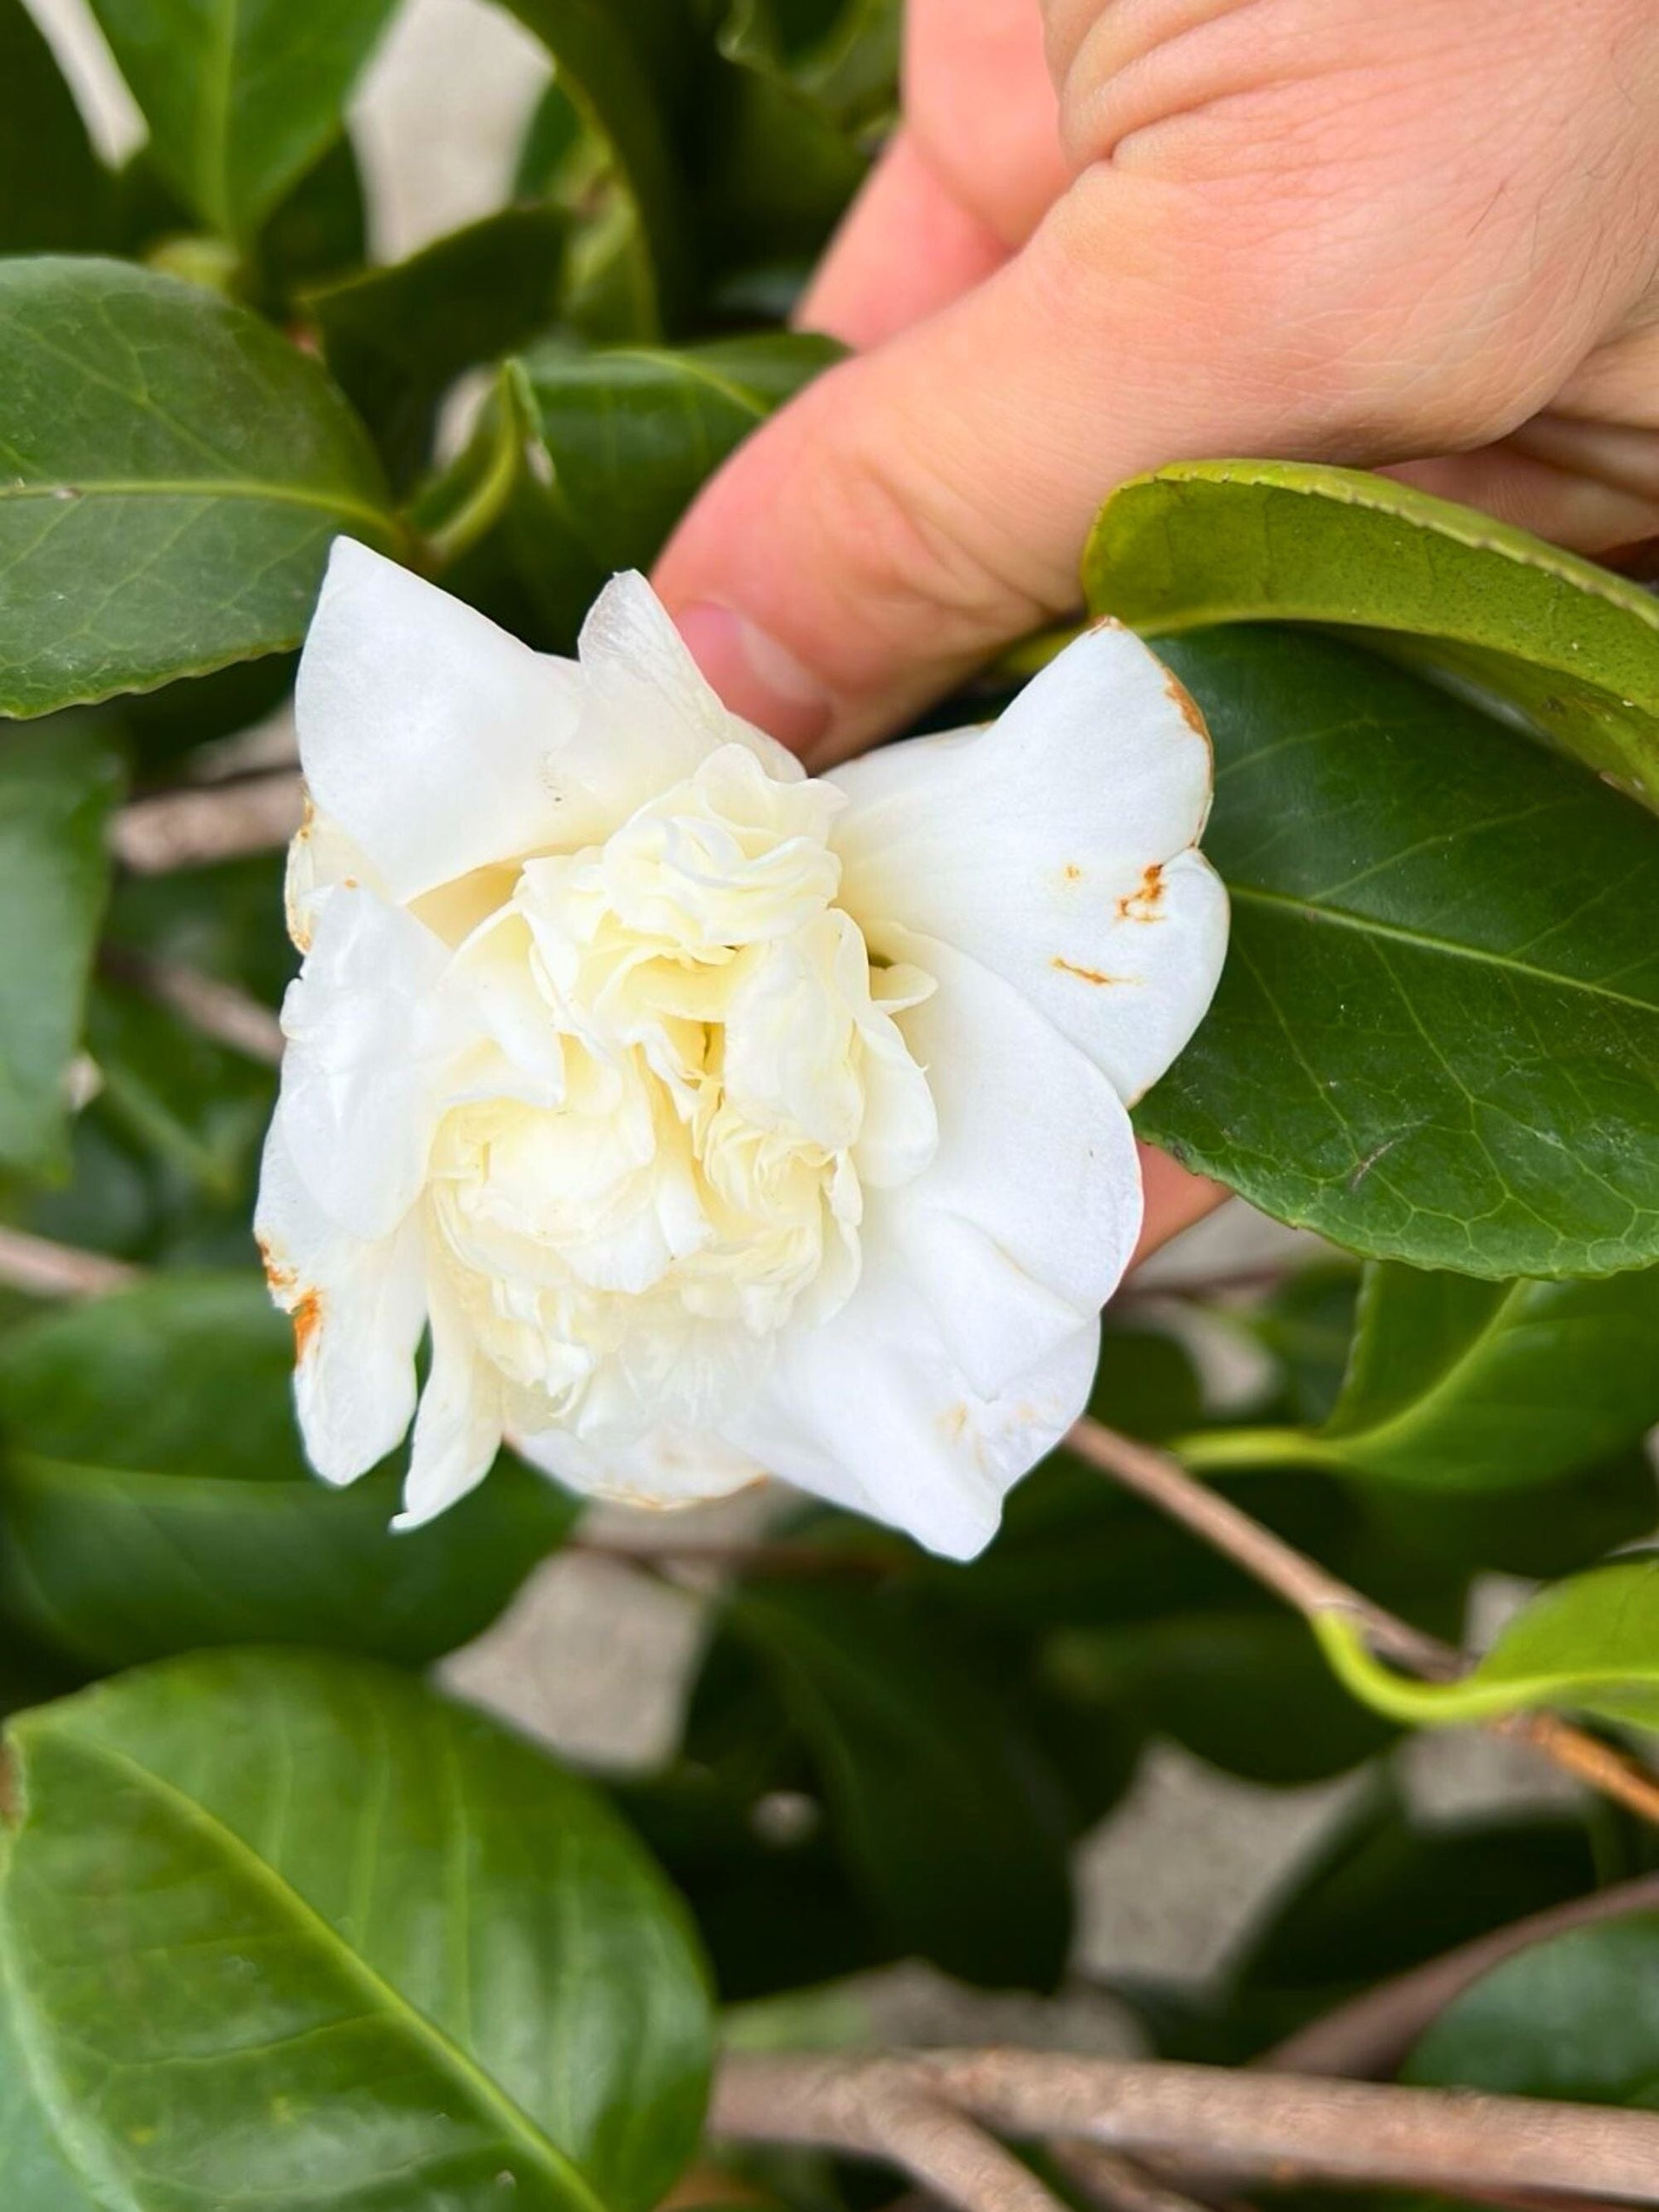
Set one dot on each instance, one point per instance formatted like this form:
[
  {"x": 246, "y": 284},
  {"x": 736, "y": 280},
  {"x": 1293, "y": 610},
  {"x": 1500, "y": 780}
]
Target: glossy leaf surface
[
  {"x": 1570, "y": 646},
  {"x": 172, "y": 473},
  {"x": 288, "y": 1927},
  {"x": 1437, "y": 1038}
]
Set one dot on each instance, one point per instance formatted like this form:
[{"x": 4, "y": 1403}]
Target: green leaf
[
  {"x": 153, "y": 1496},
  {"x": 241, "y": 96},
  {"x": 624, "y": 72},
  {"x": 1590, "y": 1643},
  {"x": 320, "y": 230},
  {"x": 172, "y": 473},
  {"x": 948, "y": 1819},
  {"x": 1575, "y": 2018},
  {"x": 289, "y": 1927},
  {"x": 1572, "y": 647},
  {"x": 1437, "y": 1038},
  {"x": 396, "y": 338},
  {"x": 615, "y": 444},
  {"x": 56, "y": 196},
  {"x": 1471, "y": 1384},
  {"x": 1223, "y": 1684},
  {"x": 57, "y": 787}
]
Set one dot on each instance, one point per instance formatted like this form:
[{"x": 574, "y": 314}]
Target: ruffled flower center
[{"x": 687, "y": 1071}]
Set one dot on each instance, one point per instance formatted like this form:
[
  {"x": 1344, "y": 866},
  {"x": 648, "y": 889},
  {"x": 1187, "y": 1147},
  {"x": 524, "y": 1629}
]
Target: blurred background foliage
[{"x": 1437, "y": 1043}]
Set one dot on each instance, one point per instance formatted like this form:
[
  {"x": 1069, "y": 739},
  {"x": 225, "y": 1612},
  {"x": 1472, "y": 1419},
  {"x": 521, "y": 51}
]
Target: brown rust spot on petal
[
  {"x": 281, "y": 1277},
  {"x": 1142, "y": 903},
  {"x": 953, "y": 1423},
  {"x": 1084, "y": 975},
  {"x": 307, "y": 1317},
  {"x": 1072, "y": 873},
  {"x": 1185, "y": 705}
]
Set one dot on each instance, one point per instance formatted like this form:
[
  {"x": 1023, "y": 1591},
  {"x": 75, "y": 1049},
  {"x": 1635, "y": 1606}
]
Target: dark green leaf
[
  {"x": 618, "y": 441},
  {"x": 241, "y": 96},
  {"x": 1574, "y": 648},
  {"x": 56, "y": 196},
  {"x": 1470, "y": 1384},
  {"x": 395, "y": 339},
  {"x": 289, "y": 1927},
  {"x": 1558, "y": 1526},
  {"x": 1247, "y": 1691},
  {"x": 1389, "y": 1890},
  {"x": 948, "y": 1817},
  {"x": 1576, "y": 2018},
  {"x": 173, "y": 472},
  {"x": 626, "y": 69},
  {"x": 774, "y": 1902},
  {"x": 1437, "y": 1038},
  {"x": 1308, "y": 1325},
  {"x": 320, "y": 230},
  {"x": 56, "y": 786},
  {"x": 152, "y": 1496}
]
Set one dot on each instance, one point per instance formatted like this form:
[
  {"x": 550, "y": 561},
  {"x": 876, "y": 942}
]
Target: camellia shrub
[{"x": 654, "y": 1117}]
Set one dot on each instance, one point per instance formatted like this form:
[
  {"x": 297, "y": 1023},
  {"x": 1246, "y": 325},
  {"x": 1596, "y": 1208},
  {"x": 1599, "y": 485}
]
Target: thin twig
[
  {"x": 1279, "y": 1566},
  {"x": 229, "y": 1016},
  {"x": 1367, "y": 2038},
  {"x": 1117, "y": 2183},
  {"x": 219, "y": 822},
  {"x": 1303, "y": 1583},
  {"x": 1207, "y": 2120},
  {"x": 46, "y": 1270},
  {"x": 883, "y": 2110}
]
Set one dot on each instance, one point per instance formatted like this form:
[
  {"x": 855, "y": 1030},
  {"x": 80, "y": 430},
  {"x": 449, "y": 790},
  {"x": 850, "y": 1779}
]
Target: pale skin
[{"x": 1109, "y": 233}]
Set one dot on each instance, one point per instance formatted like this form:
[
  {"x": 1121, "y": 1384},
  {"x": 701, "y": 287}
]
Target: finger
[
  {"x": 1588, "y": 486},
  {"x": 1175, "y": 1200},
  {"x": 924, "y": 502},
  {"x": 906, "y": 249}
]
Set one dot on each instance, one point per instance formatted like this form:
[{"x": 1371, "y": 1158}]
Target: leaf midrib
[
  {"x": 253, "y": 488},
  {"x": 1454, "y": 1372},
  {"x": 517, "y": 2125},
  {"x": 1422, "y": 941}
]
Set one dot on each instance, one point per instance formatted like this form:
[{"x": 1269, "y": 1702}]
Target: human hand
[{"x": 1313, "y": 229}]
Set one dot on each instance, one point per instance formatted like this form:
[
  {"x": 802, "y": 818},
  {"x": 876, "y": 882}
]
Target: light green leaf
[
  {"x": 1454, "y": 1383},
  {"x": 1471, "y": 1384},
  {"x": 1572, "y": 647},
  {"x": 241, "y": 96},
  {"x": 56, "y": 196},
  {"x": 1437, "y": 1038},
  {"x": 1590, "y": 1643},
  {"x": 172, "y": 473},
  {"x": 1576, "y": 2018},
  {"x": 289, "y": 1927},
  {"x": 395, "y": 339},
  {"x": 153, "y": 1496},
  {"x": 57, "y": 787}
]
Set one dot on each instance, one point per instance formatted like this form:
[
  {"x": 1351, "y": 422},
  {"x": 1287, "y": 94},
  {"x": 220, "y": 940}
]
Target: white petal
[
  {"x": 458, "y": 1430},
  {"x": 870, "y": 1413},
  {"x": 1055, "y": 848},
  {"x": 358, "y": 1310},
  {"x": 666, "y": 1467},
  {"x": 664, "y": 716},
  {"x": 968, "y": 1345},
  {"x": 425, "y": 731},
  {"x": 1020, "y": 1229},
  {"x": 370, "y": 1031}
]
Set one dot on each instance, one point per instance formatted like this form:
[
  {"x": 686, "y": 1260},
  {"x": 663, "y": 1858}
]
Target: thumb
[{"x": 924, "y": 502}]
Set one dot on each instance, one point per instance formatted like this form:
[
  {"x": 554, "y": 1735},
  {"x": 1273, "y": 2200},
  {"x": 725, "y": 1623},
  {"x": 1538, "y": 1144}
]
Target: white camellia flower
[{"x": 715, "y": 1120}]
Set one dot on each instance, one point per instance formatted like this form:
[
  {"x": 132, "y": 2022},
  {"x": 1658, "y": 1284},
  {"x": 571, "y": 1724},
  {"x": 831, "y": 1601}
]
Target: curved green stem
[{"x": 1217, "y": 1450}]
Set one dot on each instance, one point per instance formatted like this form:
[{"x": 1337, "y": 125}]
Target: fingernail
[{"x": 757, "y": 676}]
